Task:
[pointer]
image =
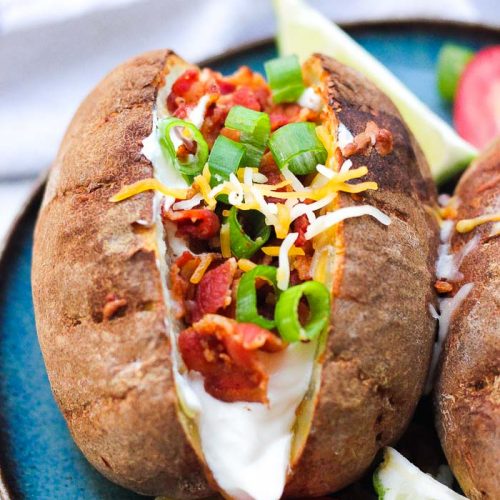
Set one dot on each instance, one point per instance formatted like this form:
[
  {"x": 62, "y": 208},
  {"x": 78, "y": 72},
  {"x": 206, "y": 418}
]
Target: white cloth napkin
[{"x": 52, "y": 52}]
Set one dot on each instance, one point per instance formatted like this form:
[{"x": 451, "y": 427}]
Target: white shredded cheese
[
  {"x": 310, "y": 99},
  {"x": 197, "y": 115},
  {"x": 324, "y": 222},
  {"x": 283, "y": 273},
  {"x": 345, "y": 166},
  {"x": 344, "y": 136},
  {"x": 325, "y": 172},
  {"x": 188, "y": 204},
  {"x": 309, "y": 209},
  {"x": 294, "y": 181},
  {"x": 235, "y": 197},
  {"x": 495, "y": 230}
]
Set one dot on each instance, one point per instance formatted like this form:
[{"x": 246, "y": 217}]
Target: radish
[{"x": 476, "y": 113}]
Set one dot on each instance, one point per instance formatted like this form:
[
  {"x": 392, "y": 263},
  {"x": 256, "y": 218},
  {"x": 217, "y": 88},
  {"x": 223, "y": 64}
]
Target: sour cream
[{"x": 247, "y": 445}]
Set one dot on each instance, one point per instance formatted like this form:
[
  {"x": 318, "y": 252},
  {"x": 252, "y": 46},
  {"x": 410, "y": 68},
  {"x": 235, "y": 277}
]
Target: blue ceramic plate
[{"x": 37, "y": 455}]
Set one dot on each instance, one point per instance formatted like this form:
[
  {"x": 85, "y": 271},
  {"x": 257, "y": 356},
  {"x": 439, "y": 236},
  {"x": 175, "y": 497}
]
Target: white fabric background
[{"x": 52, "y": 52}]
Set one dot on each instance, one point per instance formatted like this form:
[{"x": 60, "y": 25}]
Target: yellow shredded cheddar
[
  {"x": 284, "y": 221},
  {"x": 201, "y": 268},
  {"x": 274, "y": 251},
  {"x": 246, "y": 265},
  {"x": 148, "y": 185},
  {"x": 466, "y": 225},
  {"x": 225, "y": 243}
]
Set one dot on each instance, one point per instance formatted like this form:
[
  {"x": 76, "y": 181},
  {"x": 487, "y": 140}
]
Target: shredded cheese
[
  {"x": 188, "y": 204},
  {"x": 202, "y": 183},
  {"x": 225, "y": 243},
  {"x": 283, "y": 273},
  {"x": 246, "y": 265},
  {"x": 147, "y": 185},
  {"x": 274, "y": 251},
  {"x": 466, "y": 225},
  {"x": 324, "y": 222},
  {"x": 205, "y": 261}
]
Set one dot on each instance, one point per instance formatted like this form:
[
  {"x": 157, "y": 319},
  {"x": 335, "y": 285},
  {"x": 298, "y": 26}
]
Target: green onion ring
[
  {"x": 246, "y": 296},
  {"x": 254, "y": 128},
  {"x": 286, "y": 313},
  {"x": 297, "y": 147},
  {"x": 190, "y": 168},
  {"x": 242, "y": 245},
  {"x": 284, "y": 75}
]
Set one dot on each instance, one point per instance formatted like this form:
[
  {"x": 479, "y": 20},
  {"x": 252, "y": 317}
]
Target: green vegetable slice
[
  {"x": 254, "y": 128},
  {"x": 284, "y": 75},
  {"x": 193, "y": 164},
  {"x": 297, "y": 147},
  {"x": 246, "y": 296},
  {"x": 452, "y": 60},
  {"x": 244, "y": 245},
  {"x": 286, "y": 313}
]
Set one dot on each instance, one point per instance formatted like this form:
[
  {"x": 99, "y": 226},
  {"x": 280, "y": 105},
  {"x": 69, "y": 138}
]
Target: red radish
[{"x": 476, "y": 114}]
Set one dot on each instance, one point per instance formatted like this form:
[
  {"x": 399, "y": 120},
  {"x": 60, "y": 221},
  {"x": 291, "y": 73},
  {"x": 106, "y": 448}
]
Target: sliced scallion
[
  {"x": 245, "y": 241},
  {"x": 192, "y": 164},
  {"x": 297, "y": 147},
  {"x": 254, "y": 128},
  {"x": 284, "y": 75},
  {"x": 224, "y": 159},
  {"x": 286, "y": 313},
  {"x": 246, "y": 296}
]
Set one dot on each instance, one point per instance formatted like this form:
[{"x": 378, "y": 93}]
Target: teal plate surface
[{"x": 37, "y": 455}]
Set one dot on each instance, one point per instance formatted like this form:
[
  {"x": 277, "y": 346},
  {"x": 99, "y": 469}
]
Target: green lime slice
[
  {"x": 302, "y": 30},
  {"x": 452, "y": 60},
  {"x": 398, "y": 479}
]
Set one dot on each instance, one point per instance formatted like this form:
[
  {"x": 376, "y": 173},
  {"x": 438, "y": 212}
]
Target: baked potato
[
  {"x": 232, "y": 278},
  {"x": 467, "y": 391}
]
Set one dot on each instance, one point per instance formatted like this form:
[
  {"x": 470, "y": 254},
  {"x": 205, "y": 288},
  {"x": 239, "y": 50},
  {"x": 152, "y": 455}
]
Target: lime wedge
[
  {"x": 302, "y": 30},
  {"x": 398, "y": 479}
]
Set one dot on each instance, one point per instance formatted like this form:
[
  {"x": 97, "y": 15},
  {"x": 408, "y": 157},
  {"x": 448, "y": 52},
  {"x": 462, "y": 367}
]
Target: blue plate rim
[{"x": 33, "y": 200}]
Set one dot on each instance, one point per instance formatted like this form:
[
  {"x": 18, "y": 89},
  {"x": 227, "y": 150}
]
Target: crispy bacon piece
[
  {"x": 299, "y": 225},
  {"x": 372, "y": 136},
  {"x": 214, "y": 290},
  {"x": 443, "y": 287},
  {"x": 180, "y": 274},
  {"x": 225, "y": 353},
  {"x": 199, "y": 223}
]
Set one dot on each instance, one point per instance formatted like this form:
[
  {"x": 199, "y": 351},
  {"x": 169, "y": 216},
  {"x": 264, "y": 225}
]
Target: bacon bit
[
  {"x": 371, "y": 136},
  {"x": 214, "y": 290},
  {"x": 199, "y": 223},
  {"x": 225, "y": 87},
  {"x": 299, "y": 225},
  {"x": 244, "y": 96},
  {"x": 231, "y": 133},
  {"x": 180, "y": 274},
  {"x": 184, "y": 83},
  {"x": 225, "y": 353},
  {"x": 443, "y": 287},
  {"x": 302, "y": 264},
  {"x": 384, "y": 142},
  {"x": 205, "y": 261},
  {"x": 113, "y": 306}
]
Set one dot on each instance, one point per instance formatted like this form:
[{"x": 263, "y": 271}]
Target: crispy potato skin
[
  {"x": 381, "y": 335},
  {"x": 467, "y": 392},
  {"x": 111, "y": 376}
]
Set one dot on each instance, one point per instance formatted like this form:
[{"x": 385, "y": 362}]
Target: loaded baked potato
[
  {"x": 467, "y": 390},
  {"x": 232, "y": 278}
]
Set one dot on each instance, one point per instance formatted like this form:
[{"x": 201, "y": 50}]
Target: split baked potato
[
  {"x": 112, "y": 299},
  {"x": 467, "y": 391}
]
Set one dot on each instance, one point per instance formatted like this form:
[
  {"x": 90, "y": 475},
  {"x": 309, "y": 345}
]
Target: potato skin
[
  {"x": 381, "y": 337},
  {"x": 112, "y": 376},
  {"x": 467, "y": 393}
]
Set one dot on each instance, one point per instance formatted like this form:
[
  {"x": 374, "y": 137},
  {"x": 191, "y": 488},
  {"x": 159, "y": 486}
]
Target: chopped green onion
[
  {"x": 224, "y": 159},
  {"x": 243, "y": 244},
  {"x": 254, "y": 128},
  {"x": 194, "y": 163},
  {"x": 284, "y": 75},
  {"x": 286, "y": 314},
  {"x": 246, "y": 296},
  {"x": 297, "y": 147},
  {"x": 452, "y": 60}
]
